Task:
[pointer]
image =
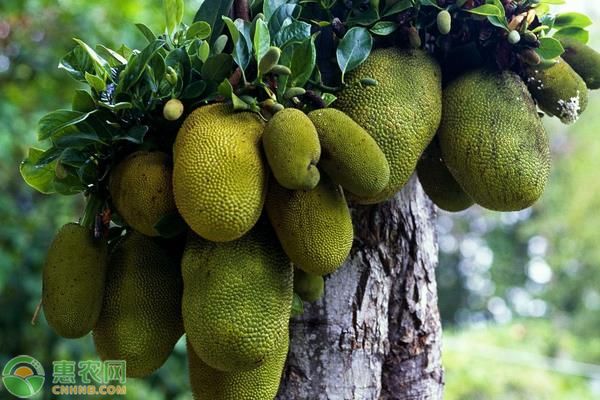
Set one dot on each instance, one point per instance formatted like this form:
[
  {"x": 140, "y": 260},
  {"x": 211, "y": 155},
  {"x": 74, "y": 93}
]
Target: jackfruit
[
  {"x": 219, "y": 178},
  {"x": 402, "y": 112},
  {"x": 351, "y": 157},
  {"x": 260, "y": 383},
  {"x": 584, "y": 60},
  {"x": 292, "y": 149},
  {"x": 141, "y": 319},
  {"x": 141, "y": 190},
  {"x": 309, "y": 287},
  {"x": 73, "y": 281},
  {"x": 558, "y": 91},
  {"x": 237, "y": 299},
  {"x": 314, "y": 227},
  {"x": 438, "y": 182},
  {"x": 493, "y": 141}
]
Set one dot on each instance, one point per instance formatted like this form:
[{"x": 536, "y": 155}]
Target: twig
[
  {"x": 241, "y": 10},
  {"x": 36, "y": 313}
]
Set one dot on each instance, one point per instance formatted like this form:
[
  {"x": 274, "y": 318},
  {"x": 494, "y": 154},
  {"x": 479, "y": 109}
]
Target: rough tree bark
[{"x": 376, "y": 334}]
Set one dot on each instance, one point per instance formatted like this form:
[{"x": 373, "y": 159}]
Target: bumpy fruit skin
[
  {"x": 141, "y": 315},
  {"x": 402, "y": 112},
  {"x": 584, "y": 60},
  {"x": 237, "y": 299},
  {"x": 314, "y": 227},
  {"x": 141, "y": 190},
  {"x": 309, "y": 287},
  {"x": 292, "y": 149},
  {"x": 438, "y": 182},
  {"x": 558, "y": 91},
  {"x": 493, "y": 141},
  {"x": 73, "y": 281},
  {"x": 219, "y": 177},
  {"x": 261, "y": 383},
  {"x": 351, "y": 157}
]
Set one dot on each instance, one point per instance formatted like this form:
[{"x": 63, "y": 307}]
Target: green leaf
[
  {"x": 194, "y": 90},
  {"x": 498, "y": 3},
  {"x": 100, "y": 64},
  {"x": 578, "y": 34},
  {"x": 170, "y": 226},
  {"x": 199, "y": 30},
  {"x": 77, "y": 62},
  {"x": 353, "y": 49},
  {"x": 303, "y": 63},
  {"x": 78, "y": 140},
  {"x": 57, "y": 121},
  {"x": 112, "y": 55},
  {"x": 135, "y": 134},
  {"x": 241, "y": 53},
  {"x": 220, "y": 44},
  {"x": 431, "y": 3},
  {"x": 210, "y": 12},
  {"x": 550, "y": 48},
  {"x": 557, "y": 2},
  {"x": 328, "y": 98},
  {"x": 83, "y": 101},
  {"x": 262, "y": 39},
  {"x": 41, "y": 178},
  {"x": 572, "y": 20},
  {"x": 217, "y": 67},
  {"x": 269, "y": 7},
  {"x": 297, "y": 306},
  {"x": 226, "y": 90},
  {"x": 203, "y": 51},
  {"x": 499, "y": 22},
  {"x": 397, "y": 7},
  {"x": 148, "y": 34},
  {"x": 95, "y": 82},
  {"x": 137, "y": 64},
  {"x": 173, "y": 13},
  {"x": 295, "y": 32},
  {"x": 487, "y": 10},
  {"x": 283, "y": 16},
  {"x": 180, "y": 58},
  {"x": 122, "y": 105},
  {"x": 74, "y": 157},
  {"x": 364, "y": 16},
  {"x": 383, "y": 28}
]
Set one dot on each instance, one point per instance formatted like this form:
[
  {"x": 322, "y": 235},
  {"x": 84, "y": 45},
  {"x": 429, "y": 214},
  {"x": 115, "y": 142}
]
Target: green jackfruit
[
  {"x": 558, "y": 91},
  {"x": 438, "y": 182},
  {"x": 237, "y": 299},
  {"x": 402, "y": 112},
  {"x": 219, "y": 178},
  {"x": 309, "y": 287},
  {"x": 260, "y": 383},
  {"x": 314, "y": 227},
  {"x": 73, "y": 281},
  {"x": 351, "y": 157},
  {"x": 141, "y": 190},
  {"x": 584, "y": 60},
  {"x": 493, "y": 141},
  {"x": 292, "y": 149},
  {"x": 141, "y": 315}
]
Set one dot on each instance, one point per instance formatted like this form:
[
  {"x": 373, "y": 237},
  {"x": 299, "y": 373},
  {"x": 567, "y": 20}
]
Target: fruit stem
[
  {"x": 92, "y": 209},
  {"x": 241, "y": 10}
]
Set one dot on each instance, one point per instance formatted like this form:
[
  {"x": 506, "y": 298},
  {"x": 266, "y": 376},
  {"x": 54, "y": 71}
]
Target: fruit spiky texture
[
  {"x": 292, "y": 149},
  {"x": 584, "y": 60},
  {"x": 402, "y": 112},
  {"x": 237, "y": 299},
  {"x": 558, "y": 90},
  {"x": 73, "y": 281},
  {"x": 314, "y": 227},
  {"x": 438, "y": 182},
  {"x": 260, "y": 383},
  {"x": 493, "y": 141},
  {"x": 351, "y": 157},
  {"x": 141, "y": 315},
  {"x": 219, "y": 177},
  {"x": 141, "y": 190}
]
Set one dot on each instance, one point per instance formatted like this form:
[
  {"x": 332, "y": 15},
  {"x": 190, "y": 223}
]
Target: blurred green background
[{"x": 519, "y": 292}]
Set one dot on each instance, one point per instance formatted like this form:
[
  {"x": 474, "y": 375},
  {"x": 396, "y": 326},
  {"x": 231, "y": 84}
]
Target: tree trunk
[{"x": 376, "y": 333}]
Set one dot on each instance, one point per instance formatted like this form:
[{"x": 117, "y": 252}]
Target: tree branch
[{"x": 241, "y": 10}]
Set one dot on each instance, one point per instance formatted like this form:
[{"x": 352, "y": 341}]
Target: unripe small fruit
[
  {"x": 530, "y": 56},
  {"x": 514, "y": 37},
  {"x": 269, "y": 60},
  {"x": 281, "y": 70},
  {"x": 444, "y": 22},
  {"x": 414, "y": 38},
  {"x": 294, "y": 92},
  {"x": 171, "y": 76},
  {"x": 173, "y": 109}
]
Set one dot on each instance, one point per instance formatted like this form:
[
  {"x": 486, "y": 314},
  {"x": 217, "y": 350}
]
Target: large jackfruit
[
  {"x": 141, "y": 315},
  {"x": 314, "y": 227},
  {"x": 438, "y": 182},
  {"x": 141, "y": 190},
  {"x": 402, "y": 112},
  {"x": 584, "y": 60},
  {"x": 73, "y": 281},
  {"x": 260, "y": 383},
  {"x": 292, "y": 149},
  {"x": 558, "y": 91},
  {"x": 309, "y": 287},
  {"x": 351, "y": 157},
  {"x": 219, "y": 177},
  {"x": 493, "y": 141},
  {"x": 237, "y": 299}
]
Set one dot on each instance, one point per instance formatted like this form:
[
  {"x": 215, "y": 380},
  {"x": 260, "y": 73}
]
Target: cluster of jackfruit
[{"x": 267, "y": 210}]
